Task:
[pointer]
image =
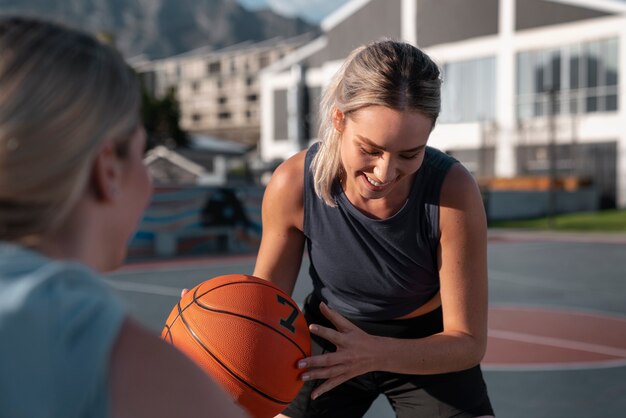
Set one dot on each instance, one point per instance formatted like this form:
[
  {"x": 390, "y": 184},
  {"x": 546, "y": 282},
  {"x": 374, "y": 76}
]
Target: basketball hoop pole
[{"x": 552, "y": 159}]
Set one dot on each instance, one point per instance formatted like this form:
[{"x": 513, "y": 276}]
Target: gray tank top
[{"x": 371, "y": 269}]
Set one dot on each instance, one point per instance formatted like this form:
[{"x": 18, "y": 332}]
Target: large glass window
[
  {"x": 468, "y": 91},
  {"x": 578, "y": 78}
]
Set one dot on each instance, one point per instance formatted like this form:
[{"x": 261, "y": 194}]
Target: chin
[{"x": 373, "y": 192}]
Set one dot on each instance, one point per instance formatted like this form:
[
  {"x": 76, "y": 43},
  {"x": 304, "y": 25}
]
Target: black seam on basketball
[
  {"x": 195, "y": 295},
  {"x": 168, "y": 334},
  {"x": 183, "y": 309},
  {"x": 253, "y": 320},
  {"x": 246, "y": 282},
  {"x": 232, "y": 373},
  {"x": 195, "y": 300}
]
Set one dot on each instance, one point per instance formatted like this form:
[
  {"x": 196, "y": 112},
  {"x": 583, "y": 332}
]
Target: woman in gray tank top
[{"x": 396, "y": 235}]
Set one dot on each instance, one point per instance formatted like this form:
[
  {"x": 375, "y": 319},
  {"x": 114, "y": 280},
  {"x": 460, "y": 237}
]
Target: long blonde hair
[
  {"x": 62, "y": 93},
  {"x": 385, "y": 73}
]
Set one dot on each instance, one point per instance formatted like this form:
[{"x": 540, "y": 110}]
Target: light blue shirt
[{"x": 58, "y": 324}]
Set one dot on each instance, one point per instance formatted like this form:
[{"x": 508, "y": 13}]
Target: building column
[
  {"x": 505, "y": 165},
  {"x": 621, "y": 140},
  {"x": 295, "y": 104},
  {"x": 409, "y": 21}
]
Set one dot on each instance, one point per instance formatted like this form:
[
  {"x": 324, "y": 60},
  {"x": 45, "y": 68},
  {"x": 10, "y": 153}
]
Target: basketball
[{"x": 248, "y": 335}]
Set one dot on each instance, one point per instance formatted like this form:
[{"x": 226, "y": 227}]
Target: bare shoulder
[
  {"x": 461, "y": 205},
  {"x": 459, "y": 188},
  {"x": 289, "y": 176},
  {"x": 150, "y": 378},
  {"x": 284, "y": 193}
]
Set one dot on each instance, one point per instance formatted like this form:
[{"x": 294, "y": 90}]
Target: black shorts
[{"x": 459, "y": 394}]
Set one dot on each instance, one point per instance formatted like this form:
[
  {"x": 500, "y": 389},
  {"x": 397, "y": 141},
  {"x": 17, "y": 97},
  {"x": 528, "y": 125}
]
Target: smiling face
[{"x": 381, "y": 149}]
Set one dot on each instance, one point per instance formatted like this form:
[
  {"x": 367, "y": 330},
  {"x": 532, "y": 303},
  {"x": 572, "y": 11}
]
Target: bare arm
[
  {"x": 463, "y": 276},
  {"x": 280, "y": 254},
  {"x": 150, "y": 378}
]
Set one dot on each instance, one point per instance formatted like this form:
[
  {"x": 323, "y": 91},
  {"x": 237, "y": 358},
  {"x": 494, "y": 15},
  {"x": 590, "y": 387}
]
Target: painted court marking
[
  {"x": 525, "y": 338},
  {"x": 521, "y": 338},
  {"x": 186, "y": 263},
  {"x": 152, "y": 289}
]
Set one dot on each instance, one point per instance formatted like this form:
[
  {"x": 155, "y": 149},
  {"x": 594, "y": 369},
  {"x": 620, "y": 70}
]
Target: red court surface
[
  {"x": 526, "y": 338},
  {"x": 557, "y": 319}
]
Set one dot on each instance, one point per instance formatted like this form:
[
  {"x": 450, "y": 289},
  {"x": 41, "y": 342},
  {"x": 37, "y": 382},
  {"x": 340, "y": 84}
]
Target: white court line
[
  {"x": 142, "y": 270},
  {"x": 558, "y": 342},
  {"x": 153, "y": 289},
  {"x": 543, "y": 367}
]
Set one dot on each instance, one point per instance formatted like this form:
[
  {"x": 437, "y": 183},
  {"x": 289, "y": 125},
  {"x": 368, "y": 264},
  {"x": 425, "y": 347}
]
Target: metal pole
[{"x": 552, "y": 159}]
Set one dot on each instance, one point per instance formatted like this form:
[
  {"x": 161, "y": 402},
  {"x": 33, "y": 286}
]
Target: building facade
[
  {"x": 530, "y": 87},
  {"x": 218, "y": 90}
]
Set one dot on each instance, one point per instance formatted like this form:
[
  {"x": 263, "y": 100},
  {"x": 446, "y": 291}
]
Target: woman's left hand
[{"x": 356, "y": 353}]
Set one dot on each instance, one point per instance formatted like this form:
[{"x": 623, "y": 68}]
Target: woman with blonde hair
[
  {"x": 72, "y": 189},
  {"x": 396, "y": 237}
]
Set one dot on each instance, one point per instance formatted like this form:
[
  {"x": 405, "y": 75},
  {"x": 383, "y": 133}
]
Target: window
[
  {"x": 214, "y": 67},
  {"x": 468, "y": 91},
  {"x": 222, "y": 100},
  {"x": 223, "y": 115},
  {"x": 264, "y": 60},
  {"x": 578, "y": 78},
  {"x": 196, "y": 117},
  {"x": 252, "y": 97}
]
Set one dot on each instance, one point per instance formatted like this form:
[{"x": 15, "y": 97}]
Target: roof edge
[
  {"x": 297, "y": 56},
  {"x": 342, "y": 14},
  {"x": 601, "y": 5},
  {"x": 163, "y": 152}
]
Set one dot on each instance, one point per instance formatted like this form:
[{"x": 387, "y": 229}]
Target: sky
[{"x": 310, "y": 10}]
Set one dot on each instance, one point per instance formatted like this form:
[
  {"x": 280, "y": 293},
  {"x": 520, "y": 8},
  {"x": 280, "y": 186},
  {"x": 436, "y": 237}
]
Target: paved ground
[{"x": 557, "y": 346}]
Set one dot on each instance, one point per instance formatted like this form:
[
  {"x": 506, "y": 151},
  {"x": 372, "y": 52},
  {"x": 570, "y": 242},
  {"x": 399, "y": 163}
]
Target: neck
[
  {"x": 73, "y": 240},
  {"x": 382, "y": 208}
]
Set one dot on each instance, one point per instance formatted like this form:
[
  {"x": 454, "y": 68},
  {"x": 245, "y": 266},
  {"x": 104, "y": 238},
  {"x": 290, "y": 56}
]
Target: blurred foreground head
[{"x": 62, "y": 94}]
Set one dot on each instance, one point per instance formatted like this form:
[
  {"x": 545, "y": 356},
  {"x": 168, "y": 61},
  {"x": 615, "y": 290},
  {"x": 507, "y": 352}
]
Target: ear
[
  {"x": 106, "y": 174},
  {"x": 339, "y": 119}
]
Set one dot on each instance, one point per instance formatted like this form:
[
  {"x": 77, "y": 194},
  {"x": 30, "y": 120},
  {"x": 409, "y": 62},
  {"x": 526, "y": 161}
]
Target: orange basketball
[{"x": 248, "y": 335}]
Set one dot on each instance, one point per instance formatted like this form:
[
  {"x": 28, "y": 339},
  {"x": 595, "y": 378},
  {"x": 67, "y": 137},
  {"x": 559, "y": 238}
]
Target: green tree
[{"x": 161, "y": 118}]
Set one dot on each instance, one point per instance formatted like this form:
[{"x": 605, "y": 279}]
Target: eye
[
  {"x": 410, "y": 156},
  {"x": 371, "y": 153}
]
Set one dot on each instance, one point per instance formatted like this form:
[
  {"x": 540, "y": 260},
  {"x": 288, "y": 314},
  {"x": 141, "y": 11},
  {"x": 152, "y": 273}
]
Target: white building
[
  {"x": 519, "y": 75},
  {"x": 218, "y": 90}
]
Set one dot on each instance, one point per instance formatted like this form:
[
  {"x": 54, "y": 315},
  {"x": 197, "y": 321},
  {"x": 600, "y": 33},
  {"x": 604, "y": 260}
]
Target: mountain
[{"x": 160, "y": 28}]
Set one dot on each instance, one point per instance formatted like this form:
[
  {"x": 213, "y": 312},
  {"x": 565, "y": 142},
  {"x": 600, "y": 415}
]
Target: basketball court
[{"x": 557, "y": 326}]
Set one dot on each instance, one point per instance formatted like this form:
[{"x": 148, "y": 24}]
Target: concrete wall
[
  {"x": 444, "y": 21},
  {"x": 376, "y": 19},
  {"x": 508, "y": 205},
  {"x": 536, "y": 13}
]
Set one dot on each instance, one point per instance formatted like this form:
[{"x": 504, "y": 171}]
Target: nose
[{"x": 385, "y": 169}]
